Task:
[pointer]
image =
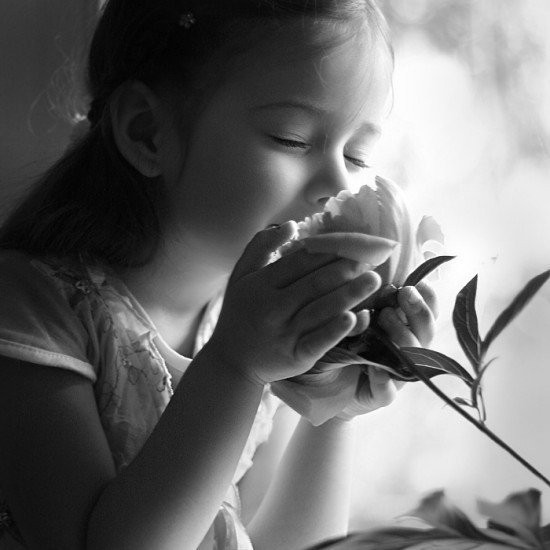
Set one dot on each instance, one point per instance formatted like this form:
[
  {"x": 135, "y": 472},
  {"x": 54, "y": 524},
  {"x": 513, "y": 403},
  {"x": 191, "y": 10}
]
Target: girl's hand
[
  {"x": 277, "y": 320},
  {"x": 413, "y": 327}
]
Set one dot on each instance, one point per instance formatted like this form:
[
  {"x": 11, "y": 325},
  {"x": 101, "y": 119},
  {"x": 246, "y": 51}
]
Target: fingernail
[
  {"x": 401, "y": 314},
  {"x": 289, "y": 224},
  {"x": 381, "y": 250},
  {"x": 412, "y": 297},
  {"x": 364, "y": 267},
  {"x": 382, "y": 242}
]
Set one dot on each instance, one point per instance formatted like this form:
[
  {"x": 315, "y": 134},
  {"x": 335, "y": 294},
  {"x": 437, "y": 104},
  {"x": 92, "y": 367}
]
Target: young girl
[{"x": 132, "y": 402}]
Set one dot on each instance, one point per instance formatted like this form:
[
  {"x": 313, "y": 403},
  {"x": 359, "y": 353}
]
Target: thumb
[{"x": 258, "y": 251}]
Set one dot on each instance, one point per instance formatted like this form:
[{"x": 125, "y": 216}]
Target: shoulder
[
  {"x": 24, "y": 273},
  {"x": 44, "y": 311},
  {"x": 41, "y": 282},
  {"x": 15, "y": 269}
]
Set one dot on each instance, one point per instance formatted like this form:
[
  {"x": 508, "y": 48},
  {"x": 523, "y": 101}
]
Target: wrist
[
  {"x": 345, "y": 417},
  {"x": 234, "y": 367},
  {"x": 334, "y": 424},
  {"x": 342, "y": 422}
]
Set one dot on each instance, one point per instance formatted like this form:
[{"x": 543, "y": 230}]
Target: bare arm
[
  {"x": 55, "y": 466},
  {"x": 308, "y": 500},
  {"x": 173, "y": 489},
  {"x": 57, "y": 472},
  {"x": 255, "y": 483}
]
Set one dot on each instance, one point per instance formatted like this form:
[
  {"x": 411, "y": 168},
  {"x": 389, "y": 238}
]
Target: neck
[{"x": 174, "y": 290}]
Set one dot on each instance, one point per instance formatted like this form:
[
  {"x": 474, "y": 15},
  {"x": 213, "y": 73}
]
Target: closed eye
[
  {"x": 295, "y": 144},
  {"x": 290, "y": 143},
  {"x": 358, "y": 162}
]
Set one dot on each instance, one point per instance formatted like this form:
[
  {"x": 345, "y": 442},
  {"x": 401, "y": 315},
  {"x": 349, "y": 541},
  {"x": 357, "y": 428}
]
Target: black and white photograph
[{"x": 274, "y": 274}]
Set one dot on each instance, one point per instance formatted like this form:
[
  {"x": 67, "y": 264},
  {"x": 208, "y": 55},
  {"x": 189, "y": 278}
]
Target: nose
[{"x": 330, "y": 176}]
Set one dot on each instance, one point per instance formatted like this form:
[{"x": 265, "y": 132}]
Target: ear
[{"x": 136, "y": 123}]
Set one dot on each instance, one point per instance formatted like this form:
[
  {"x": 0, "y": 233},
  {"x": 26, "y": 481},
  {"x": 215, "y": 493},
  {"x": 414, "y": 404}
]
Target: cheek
[
  {"x": 256, "y": 180},
  {"x": 226, "y": 197}
]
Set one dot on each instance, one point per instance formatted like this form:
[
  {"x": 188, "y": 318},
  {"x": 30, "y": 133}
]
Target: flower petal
[
  {"x": 429, "y": 230},
  {"x": 395, "y": 223}
]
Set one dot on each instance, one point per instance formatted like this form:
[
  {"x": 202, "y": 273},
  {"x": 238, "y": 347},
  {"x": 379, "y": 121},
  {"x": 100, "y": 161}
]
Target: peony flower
[
  {"x": 379, "y": 211},
  {"x": 338, "y": 384}
]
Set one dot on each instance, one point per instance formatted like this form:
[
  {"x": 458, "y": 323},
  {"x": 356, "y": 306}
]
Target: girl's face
[{"x": 286, "y": 131}]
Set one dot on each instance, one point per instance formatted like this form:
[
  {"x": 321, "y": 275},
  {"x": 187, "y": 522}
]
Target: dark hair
[{"x": 92, "y": 203}]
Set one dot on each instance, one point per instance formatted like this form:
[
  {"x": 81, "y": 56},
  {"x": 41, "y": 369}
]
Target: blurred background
[{"x": 468, "y": 139}]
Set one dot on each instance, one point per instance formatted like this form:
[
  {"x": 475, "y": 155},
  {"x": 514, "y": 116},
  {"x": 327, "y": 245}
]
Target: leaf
[
  {"x": 399, "y": 538},
  {"x": 438, "y": 512},
  {"x": 385, "y": 296},
  {"x": 465, "y": 323},
  {"x": 518, "y": 514},
  {"x": 477, "y": 382},
  {"x": 518, "y": 303},
  {"x": 375, "y": 346},
  {"x": 425, "y": 269},
  {"x": 423, "y": 357},
  {"x": 462, "y": 401}
]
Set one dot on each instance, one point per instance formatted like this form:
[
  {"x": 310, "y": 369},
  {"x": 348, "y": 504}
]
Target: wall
[{"x": 37, "y": 42}]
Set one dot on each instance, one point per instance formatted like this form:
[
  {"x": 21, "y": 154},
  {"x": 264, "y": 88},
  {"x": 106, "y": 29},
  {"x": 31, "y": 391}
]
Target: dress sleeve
[{"x": 44, "y": 311}]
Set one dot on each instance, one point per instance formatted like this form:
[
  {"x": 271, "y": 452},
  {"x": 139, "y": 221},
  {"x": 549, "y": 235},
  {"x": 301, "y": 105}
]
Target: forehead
[{"x": 320, "y": 62}]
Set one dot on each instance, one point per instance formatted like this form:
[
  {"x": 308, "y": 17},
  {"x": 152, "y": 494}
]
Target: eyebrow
[{"x": 369, "y": 127}]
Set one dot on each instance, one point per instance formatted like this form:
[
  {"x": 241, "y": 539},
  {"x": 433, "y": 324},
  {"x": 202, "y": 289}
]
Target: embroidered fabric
[{"x": 121, "y": 352}]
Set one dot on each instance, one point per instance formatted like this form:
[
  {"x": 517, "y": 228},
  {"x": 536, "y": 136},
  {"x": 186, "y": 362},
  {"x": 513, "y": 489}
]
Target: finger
[
  {"x": 362, "y": 324},
  {"x": 397, "y": 331},
  {"x": 378, "y": 390},
  {"x": 294, "y": 266},
  {"x": 313, "y": 345},
  {"x": 324, "y": 280},
  {"x": 382, "y": 387},
  {"x": 427, "y": 292},
  {"x": 399, "y": 384},
  {"x": 419, "y": 316},
  {"x": 354, "y": 246},
  {"x": 320, "y": 310},
  {"x": 258, "y": 251}
]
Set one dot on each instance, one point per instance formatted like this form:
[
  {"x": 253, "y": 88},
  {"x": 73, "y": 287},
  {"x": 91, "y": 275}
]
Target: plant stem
[{"x": 479, "y": 425}]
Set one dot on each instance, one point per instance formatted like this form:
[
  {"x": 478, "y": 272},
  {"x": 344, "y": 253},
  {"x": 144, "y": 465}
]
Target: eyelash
[
  {"x": 291, "y": 143},
  {"x": 294, "y": 144}
]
